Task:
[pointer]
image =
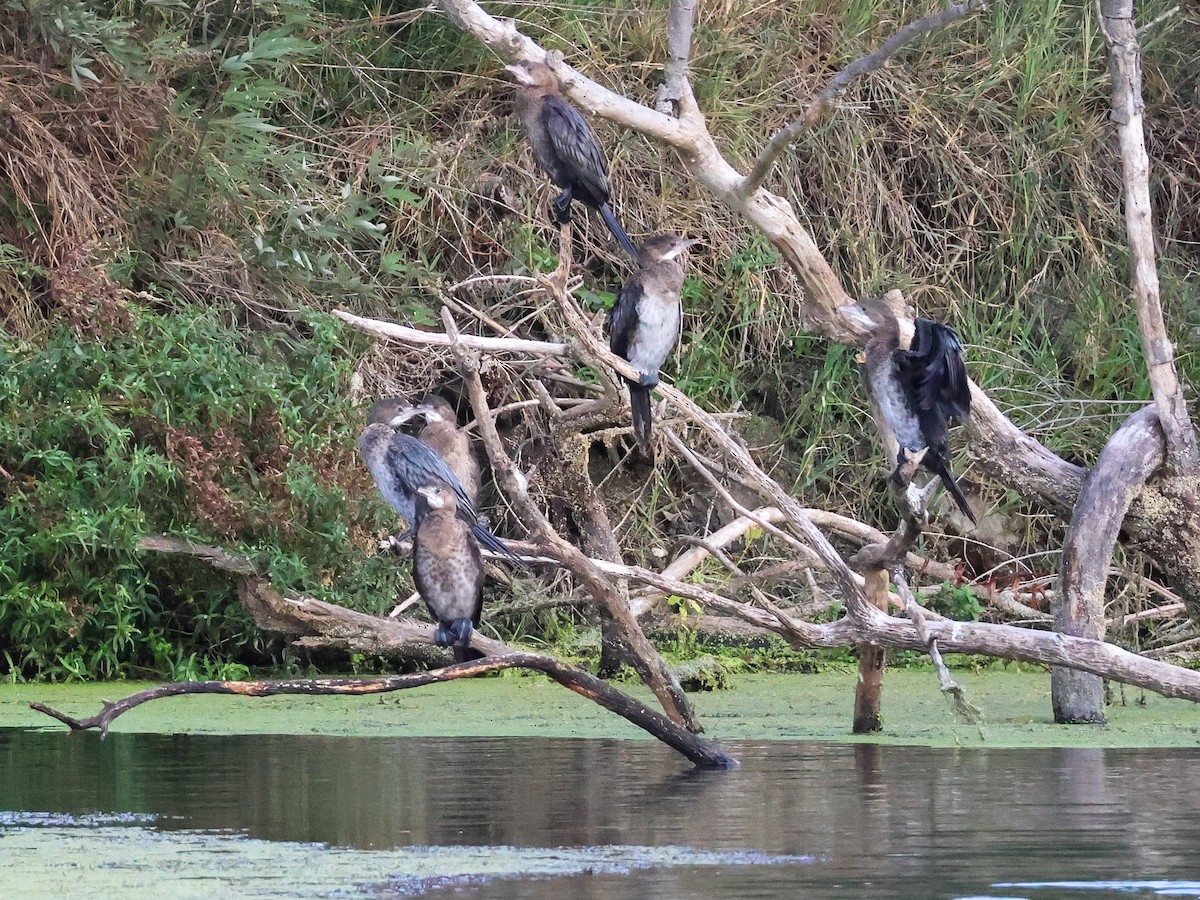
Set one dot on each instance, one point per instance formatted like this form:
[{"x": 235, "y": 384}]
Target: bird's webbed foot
[
  {"x": 562, "y": 208},
  {"x": 648, "y": 381},
  {"x": 908, "y": 461},
  {"x": 443, "y": 636},
  {"x": 398, "y": 543},
  {"x": 462, "y": 628}
]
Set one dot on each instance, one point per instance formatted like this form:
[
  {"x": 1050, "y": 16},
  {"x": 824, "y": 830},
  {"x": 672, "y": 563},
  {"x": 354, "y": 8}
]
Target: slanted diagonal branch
[
  {"x": 1128, "y": 112},
  {"x": 840, "y": 83}
]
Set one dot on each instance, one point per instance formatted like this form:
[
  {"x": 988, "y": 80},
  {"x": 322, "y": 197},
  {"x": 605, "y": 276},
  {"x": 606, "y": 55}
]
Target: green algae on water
[{"x": 1016, "y": 707}]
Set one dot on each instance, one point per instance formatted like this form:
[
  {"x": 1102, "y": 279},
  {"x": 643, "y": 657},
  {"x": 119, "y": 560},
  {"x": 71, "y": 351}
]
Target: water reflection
[{"x": 889, "y": 821}]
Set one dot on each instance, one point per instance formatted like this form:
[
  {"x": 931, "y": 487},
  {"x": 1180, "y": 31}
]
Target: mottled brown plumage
[
  {"x": 448, "y": 570},
  {"x": 441, "y": 432}
]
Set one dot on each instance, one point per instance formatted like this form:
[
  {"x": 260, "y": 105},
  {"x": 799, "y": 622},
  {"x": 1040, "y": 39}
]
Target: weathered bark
[
  {"x": 868, "y": 693},
  {"x": 634, "y": 647},
  {"x": 1128, "y": 108},
  {"x": 325, "y": 624},
  {"x": 1131, "y": 456}
]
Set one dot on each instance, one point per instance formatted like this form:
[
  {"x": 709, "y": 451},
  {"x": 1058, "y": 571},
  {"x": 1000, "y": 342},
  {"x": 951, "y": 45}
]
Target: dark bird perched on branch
[
  {"x": 442, "y": 434},
  {"x": 448, "y": 570},
  {"x": 565, "y": 147},
  {"x": 917, "y": 393},
  {"x": 645, "y": 323},
  {"x": 401, "y": 465}
]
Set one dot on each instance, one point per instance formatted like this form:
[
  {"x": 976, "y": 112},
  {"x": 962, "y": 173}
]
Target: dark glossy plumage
[
  {"x": 401, "y": 465},
  {"x": 565, "y": 147},
  {"x": 442, "y": 434},
  {"x": 645, "y": 322},
  {"x": 448, "y": 570},
  {"x": 918, "y": 393}
]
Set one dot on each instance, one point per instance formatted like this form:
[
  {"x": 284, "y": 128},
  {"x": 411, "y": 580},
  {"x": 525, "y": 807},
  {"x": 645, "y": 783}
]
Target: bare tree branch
[
  {"x": 346, "y": 627},
  {"x": 1128, "y": 108},
  {"x": 440, "y": 339},
  {"x": 675, "y": 97},
  {"x": 640, "y": 652},
  {"x": 840, "y": 83},
  {"x": 1129, "y": 458}
]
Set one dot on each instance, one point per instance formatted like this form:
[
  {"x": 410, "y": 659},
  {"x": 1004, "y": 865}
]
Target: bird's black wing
[
  {"x": 623, "y": 320},
  {"x": 933, "y": 371},
  {"x": 577, "y": 146},
  {"x": 417, "y": 465}
]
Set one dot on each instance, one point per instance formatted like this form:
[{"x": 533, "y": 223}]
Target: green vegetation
[
  {"x": 186, "y": 424},
  {"x": 183, "y": 197},
  {"x": 1015, "y": 701}
]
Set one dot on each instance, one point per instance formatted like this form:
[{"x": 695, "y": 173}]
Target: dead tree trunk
[
  {"x": 1128, "y": 108},
  {"x": 868, "y": 693},
  {"x": 1130, "y": 457}
]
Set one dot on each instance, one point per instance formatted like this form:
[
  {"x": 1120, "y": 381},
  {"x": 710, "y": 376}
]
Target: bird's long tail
[
  {"x": 462, "y": 629},
  {"x": 466, "y": 654},
  {"x": 944, "y": 473},
  {"x": 639, "y": 400},
  {"x": 610, "y": 219},
  {"x": 493, "y": 543}
]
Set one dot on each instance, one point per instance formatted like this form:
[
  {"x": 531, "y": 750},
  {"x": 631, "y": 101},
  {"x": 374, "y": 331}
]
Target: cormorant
[
  {"x": 565, "y": 147},
  {"x": 448, "y": 570},
  {"x": 401, "y": 465},
  {"x": 645, "y": 322},
  {"x": 917, "y": 392},
  {"x": 441, "y": 432}
]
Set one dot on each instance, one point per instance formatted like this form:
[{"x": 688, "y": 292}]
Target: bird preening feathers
[
  {"x": 446, "y": 439},
  {"x": 645, "y": 323},
  {"x": 434, "y": 487},
  {"x": 402, "y": 464},
  {"x": 917, "y": 393},
  {"x": 565, "y": 147}
]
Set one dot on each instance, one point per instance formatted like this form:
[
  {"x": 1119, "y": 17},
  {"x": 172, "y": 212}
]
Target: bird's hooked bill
[
  {"x": 681, "y": 247},
  {"x": 403, "y": 416},
  {"x": 433, "y": 496},
  {"x": 520, "y": 73}
]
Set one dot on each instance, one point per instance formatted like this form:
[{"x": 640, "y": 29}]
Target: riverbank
[{"x": 1016, "y": 706}]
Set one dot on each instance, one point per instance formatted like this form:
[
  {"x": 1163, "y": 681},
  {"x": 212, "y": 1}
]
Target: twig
[
  {"x": 217, "y": 557},
  {"x": 473, "y": 342},
  {"x": 916, "y": 614},
  {"x": 808, "y": 556},
  {"x": 413, "y": 599},
  {"x": 839, "y": 83},
  {"x": 1157, "y": 20}
]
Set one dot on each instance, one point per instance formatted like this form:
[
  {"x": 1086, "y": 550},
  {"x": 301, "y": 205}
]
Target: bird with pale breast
[
  {"x": 646, "y": 321},
  {"x": 917, "y": 393}
]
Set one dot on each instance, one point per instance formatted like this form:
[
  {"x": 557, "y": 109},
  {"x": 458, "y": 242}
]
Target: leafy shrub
[{"x": 185, "y": 424}]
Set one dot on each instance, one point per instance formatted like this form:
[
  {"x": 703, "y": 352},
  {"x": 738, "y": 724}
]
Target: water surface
[{"x": 280, "y": 815}]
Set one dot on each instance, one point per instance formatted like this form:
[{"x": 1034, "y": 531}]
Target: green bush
[{"x": 185, "y": 423}]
